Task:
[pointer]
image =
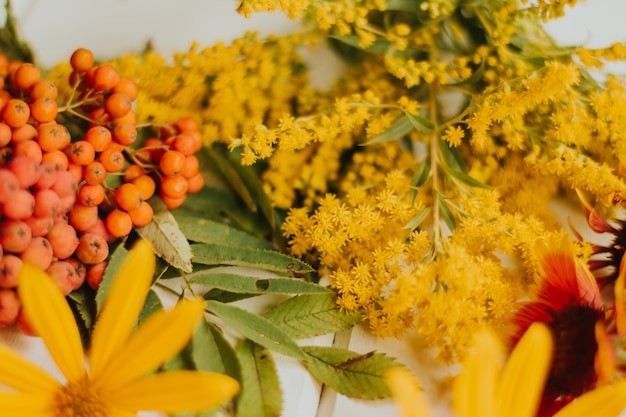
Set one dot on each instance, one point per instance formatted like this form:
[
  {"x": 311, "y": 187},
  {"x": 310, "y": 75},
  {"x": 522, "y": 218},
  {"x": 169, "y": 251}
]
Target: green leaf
[
  {"x": 419, "y": 178},
  {"x": 253, "y": 285},
  {"x": 201, "y": 230},
  {"x": 151, "y": 305},
  {"x": 83, "y": 307},
  {"x": 404, "y": 5},
  {"x": 166, "y": 237},
  {"x": 310, "y": 315},
  {"x": 207, "y": 202},
  {"x": 230, "y": 175},
  {"x": 212, "y": 353},
  {"x": 256, "y": 328},
  {"x": 114, "y": 264},
  {"x": 212, "y": 254},
  {"x": 452, "y": 156},
  {"x": 226, "y": 296},
  {"x": 466, "y": 178},
  {"x": 379, "y": 46},
  {"x": 446, "y": 213},
  {"x": 260, "y": 395},
  {"x": 421, "y": 124},
  {"x": 398, "y": 129},
  {"x": 349, "y": 373},
  {"x": 418, "y": 219}
]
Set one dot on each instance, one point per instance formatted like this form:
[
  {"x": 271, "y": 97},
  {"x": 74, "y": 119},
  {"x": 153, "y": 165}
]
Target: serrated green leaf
[
  {"x": 212, "y": 353},
  {"x": 83, "y": 307},
  {"x": 226, "y": 296},
  {"x": 166, "y": 237},
  {"x": 351, "y": 374},
  {"x": 114, "y": 264},
  {"x": 418, "y": 219},
  {"x": 310, "y": 315},
  {"x": 398, "y": 129},
  {"x": 207, "y": 202},
  {"x": 260, "y": 395},
  {"x": 446, "y": 213},
  {"x": 421, "y": 124},
  {"x": 201, "y": 230},
  {"x": 256, "y": 328},
  {"x": 213, "y": 254},
  {"x": 238, "y": 283}
]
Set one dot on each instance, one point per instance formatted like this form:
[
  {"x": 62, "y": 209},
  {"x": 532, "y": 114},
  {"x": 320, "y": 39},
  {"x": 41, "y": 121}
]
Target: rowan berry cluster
[{"x": 66, "y": 197}]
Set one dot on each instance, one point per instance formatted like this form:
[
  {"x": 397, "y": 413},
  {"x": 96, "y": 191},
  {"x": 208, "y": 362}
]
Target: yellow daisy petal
[
  {"x": 608, "y": 401},
  {"x": 176, "y": 392},
  {"x": 160, "y": 337},
  {"x": 122, "y": 305},
  {"x": 524, "y": 375},
  {"x": 22, "y": 375},
  {"x": 48, "y": 312},
  {"x": 22, "y": 404},
  {"x": 408, "y": 396},
  {"x": 474, "y": 387}
]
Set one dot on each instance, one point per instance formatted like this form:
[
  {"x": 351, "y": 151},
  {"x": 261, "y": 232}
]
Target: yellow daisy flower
[
  {"x": 116, "y": 382},
  {"x": 485, "y": 388}
]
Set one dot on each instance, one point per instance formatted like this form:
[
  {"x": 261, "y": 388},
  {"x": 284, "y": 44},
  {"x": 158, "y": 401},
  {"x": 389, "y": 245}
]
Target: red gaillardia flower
[{"x": 568, "y": 301}]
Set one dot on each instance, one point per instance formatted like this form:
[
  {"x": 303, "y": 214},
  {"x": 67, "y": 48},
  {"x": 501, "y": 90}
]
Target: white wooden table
[{"x": 111, "y": 27}]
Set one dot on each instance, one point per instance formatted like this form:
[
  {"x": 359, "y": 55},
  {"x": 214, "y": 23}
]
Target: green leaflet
[
  {"x": 418, "y": 219},
  {"x": 200, "y": 230},
  {"x": 380, "y": 45},
  {"x": 463, "y": 176},
  {"x": 405, "y": 5},
  {"x": 230, "y": 175},
  {"x": 419, "y": 178},
  {"x": 216, "y": 254},
  {"x": 166, "y": 237},
  {"x": 252, "y": 285},
  {"x": 83, "y": 306},
  {"x": 256, "y": 328},
  {"x": 115, "y": 262},
  {"x": 212, "y": 353},
  {"x": 452, "y": 156},
  {"x": 421, "y": 124},
  {"x": 349, "y": 373},
  {"x": 151, "y": 305},
  {"x": 310, "y": 315},
  {"x": 446, "y": 213},
  {"x": 398, "y": 129},
  {"x": 260, "y": 395}
]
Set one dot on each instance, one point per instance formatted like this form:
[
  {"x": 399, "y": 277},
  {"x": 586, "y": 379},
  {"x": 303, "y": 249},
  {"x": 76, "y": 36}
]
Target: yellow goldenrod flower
[
  {"x": 485, "y": 388},
  {"x": 115, "y": 382}
]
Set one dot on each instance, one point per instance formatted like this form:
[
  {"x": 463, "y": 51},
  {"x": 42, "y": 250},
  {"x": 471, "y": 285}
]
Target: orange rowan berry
[
  {"x": 44, "y": 88},
  {"x": 146, "y": 186},
  {"x": 26, "y": 75},
  {"x": 5, "y": 96},
  {"x": 16, "y": 112},
  {"x": 56, "y": 158},
  {"x": 81, "y": 60},
  {"x": 10, "y": 307},
  {"x": 44, "y": 109},
  {"x": 129, "y": 117},
  {"x": 90, "y": 195},
  {"x": 29, "y": 148},
  {"x": 65, "y": 184},
  {"x": 142, "y": 215},
  {"x": 8, "y": 184},
  {"x": 128, "y": 87},
  {"x": 92, "y": 249},
  {"x": 184, "y": 143},
  {"x": 52, "y": 137},
  {"x": 112, "y": 159},
  {"x": 61, "y": 272},
  {"x": 47, "y": 203},
  {"x": 10, "y": 266},
  {"x": 125, "y": 133},
  {"x": 4, "y": 65},
  {"x": 81, "y": 153},
  {"x": 94, "y": 173},
  {"x": 5, "y": 134},
  {"x": 173, "y": 203},
  {"x": 117, "y": 105},
  {"x": 25, "y": 169},
  {"x": 195, "y": 184},
  {"x": 20, "y": 206},
  {"x": 186, "y": 123},
  {"x": 76, "y": 171},
  {"x": 128, "y": 196},
  {"x": 174, "y": 187},
  {"x": 118, "y": 223},
  {"x": 48, "y": 176},
  {"x": 99, "y": 117},
  {"x": 172, "y": 163},
  {"x": 24, "y": 132},
  {"x": 105, "y": 77},
  {"x": 192, "y": 166},
  {"x": 15, "y": 235},
  {"x": 63, "y": 239},
  {"x": 100, "y": 137},
  {"x": 80, "y": 272},
  {"x": 39, "y": 226},
  {"x": 95, "y": 273},
  {"x": 133, "y": 171},
  {"x": 83, "y": 217},
  {"x": 38, "y": 252}
]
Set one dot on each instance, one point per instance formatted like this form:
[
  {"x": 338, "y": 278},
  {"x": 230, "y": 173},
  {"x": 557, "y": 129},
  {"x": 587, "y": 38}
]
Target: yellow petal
[
  {"x": 474, "y": 387},
  {"x": 122, "y": 305},
  {"x": 406, "y": 393},
  {"x": 524, "y": 375},
  {"x": 177, "y": 391},
  {"x": 48, "y": 312},
  {"x": 607, "y": 401},
  {"x": 21, "y": 404},
  {"x": 159, "y": 338},
  {"x": 22, "y": 375}
]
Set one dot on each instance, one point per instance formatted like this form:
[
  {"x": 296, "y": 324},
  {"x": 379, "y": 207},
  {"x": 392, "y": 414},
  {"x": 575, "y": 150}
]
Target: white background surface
[{"x": 54, "y": 28}]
